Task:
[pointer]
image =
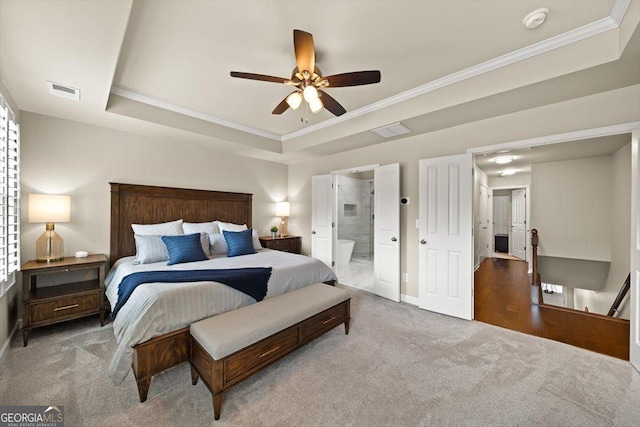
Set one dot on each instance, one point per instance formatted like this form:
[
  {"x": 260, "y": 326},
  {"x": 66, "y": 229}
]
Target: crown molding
[
  {"x": 558, "y": 138},
  {"x": 191, "y": 113},
  {"x": 569, "y": 37},
  {"x": 611, "y": 22}
]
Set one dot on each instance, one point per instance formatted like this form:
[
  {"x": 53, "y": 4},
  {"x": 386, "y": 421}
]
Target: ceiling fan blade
[
  {"x": 355, "y": 78},
  {"x": 305, "y": 51},
  {"x": 331, "y": 104},
  {"x": 282, "y": 107},
  {"x": 261, "y": 77}
]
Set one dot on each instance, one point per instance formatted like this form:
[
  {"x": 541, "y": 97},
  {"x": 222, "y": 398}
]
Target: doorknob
[
  {"x": 393, "y": 239},
  {"x": 423, "y": 242},
  {"x": 313, "y": 232}
]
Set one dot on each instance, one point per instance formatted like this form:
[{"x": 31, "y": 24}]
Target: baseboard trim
[
  {"x": 7, "y": 343},
  {"x": 408, "y": 299}
]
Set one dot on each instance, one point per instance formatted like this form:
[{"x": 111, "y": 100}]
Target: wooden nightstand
[
  {"x": 47, "y": 305},
  {"x": 291, "y": 244}
]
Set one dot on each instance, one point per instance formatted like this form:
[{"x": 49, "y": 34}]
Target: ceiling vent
[
  {"x": 63, "y": 91},
  {"x": 389, "y": 131}
]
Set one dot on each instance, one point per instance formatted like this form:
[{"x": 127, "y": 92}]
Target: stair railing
[{"x": 623, "y": 292}]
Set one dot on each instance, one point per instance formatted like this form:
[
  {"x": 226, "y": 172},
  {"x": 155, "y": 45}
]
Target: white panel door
[
  {"x": 483, "y": 224},
  {"x": 445, "y": 235},
  {"x": 322, "y": 218},
  {"x": 501, "y": 220},
  {"x": 634, "y": 348},
  {"x": 386, "y": 251},
  {"x": 518, "y": 223}
]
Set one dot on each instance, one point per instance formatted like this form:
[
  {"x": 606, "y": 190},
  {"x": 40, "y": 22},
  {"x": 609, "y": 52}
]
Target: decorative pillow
[
  {"x": 256, "y": 240},
  {"x": 239, "y": 242},
  {"x": 229, "y": 226},
  {"x": 217, "y": 244},
  {"x": 200, "y": 227},
  {"x": 150, "y": 249},
  {"x": 172, "y": 228},
  {"x": 186, "y": 248}
]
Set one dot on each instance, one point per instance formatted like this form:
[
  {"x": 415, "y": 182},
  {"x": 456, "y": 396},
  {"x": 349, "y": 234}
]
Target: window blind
[{"x": 9, "y": 194}]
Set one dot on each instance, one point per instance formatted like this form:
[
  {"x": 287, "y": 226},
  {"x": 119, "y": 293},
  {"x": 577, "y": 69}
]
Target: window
[{"x": 9, "y": 197}]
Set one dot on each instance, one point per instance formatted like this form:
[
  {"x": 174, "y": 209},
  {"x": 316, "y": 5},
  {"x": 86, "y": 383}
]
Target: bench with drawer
[{"x": 229, "y": 347}]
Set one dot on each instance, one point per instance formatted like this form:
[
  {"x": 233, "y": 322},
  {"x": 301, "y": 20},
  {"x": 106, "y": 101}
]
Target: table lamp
[
  {"x": 283, "y": 210},
  {"x": 49, "y": 208}
]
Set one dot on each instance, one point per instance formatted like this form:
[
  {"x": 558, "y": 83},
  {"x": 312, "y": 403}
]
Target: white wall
[
  {"x": 619, "y": 106},
  {"x": 518, "y": 180},
  {"x": 479, "y": 178},
  {"x": 620, "y": 232},
  {"x": 571, "y": 208},
  {"x": 65, "y": 157}
]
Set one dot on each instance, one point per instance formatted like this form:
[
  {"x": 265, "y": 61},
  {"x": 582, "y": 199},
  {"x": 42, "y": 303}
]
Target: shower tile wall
[{"x": 354, "y": 219}]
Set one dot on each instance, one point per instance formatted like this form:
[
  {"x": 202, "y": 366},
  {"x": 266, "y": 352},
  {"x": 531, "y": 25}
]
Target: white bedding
[{"x": 158, "y": 308}]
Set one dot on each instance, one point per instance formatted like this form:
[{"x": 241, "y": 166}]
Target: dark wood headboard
[{"x": 145, "y": 204}]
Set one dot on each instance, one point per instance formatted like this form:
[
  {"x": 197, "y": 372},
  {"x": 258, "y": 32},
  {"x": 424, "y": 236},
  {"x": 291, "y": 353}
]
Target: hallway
[{"x": 503, "y": 296}]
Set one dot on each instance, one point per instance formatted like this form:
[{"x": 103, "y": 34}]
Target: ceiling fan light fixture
[
  {"x": 310, "y": 94},
  {"x": 294, "y": 100},
  {"x": 316, "y": 105}
]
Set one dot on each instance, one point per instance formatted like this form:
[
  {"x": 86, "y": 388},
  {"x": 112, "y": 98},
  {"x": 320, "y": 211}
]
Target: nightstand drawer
[
  {"x": 65, "y": 307},
  {"x": 284, "y": 244}
]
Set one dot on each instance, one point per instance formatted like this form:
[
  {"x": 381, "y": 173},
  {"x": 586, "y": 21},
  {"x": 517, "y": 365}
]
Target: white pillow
[
  {"x": 172, "y": 228},
  {"x": 228, "y": 226},
  {"x": 256, "y": 240},
  {"x": 200, "y": 227},
  {"x": 218, "y": 244}
]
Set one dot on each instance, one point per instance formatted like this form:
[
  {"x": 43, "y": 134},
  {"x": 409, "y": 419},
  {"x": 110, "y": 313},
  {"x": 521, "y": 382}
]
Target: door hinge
[
  {"x": 333, "y": 263},
  {"x": 333, "y": 225}
]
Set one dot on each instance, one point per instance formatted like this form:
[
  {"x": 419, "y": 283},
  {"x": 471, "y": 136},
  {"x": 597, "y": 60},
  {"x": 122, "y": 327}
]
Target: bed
[{"x": 152, "y": 329}]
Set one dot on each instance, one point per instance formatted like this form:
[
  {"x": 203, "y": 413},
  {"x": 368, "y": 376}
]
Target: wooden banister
[
  {"x": 534, "y": 257},
  {"x": 623, "y": 292}
]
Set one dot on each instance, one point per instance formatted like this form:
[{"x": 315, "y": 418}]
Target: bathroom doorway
[{"x": 355, "y": 229}]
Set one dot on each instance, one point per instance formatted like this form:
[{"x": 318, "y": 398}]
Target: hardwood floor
[{"x": 503, "y": 297}]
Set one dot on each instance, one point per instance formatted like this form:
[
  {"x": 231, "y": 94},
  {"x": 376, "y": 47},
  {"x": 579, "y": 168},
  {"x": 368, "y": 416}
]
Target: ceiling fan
[{"x": 309, "y": 82}]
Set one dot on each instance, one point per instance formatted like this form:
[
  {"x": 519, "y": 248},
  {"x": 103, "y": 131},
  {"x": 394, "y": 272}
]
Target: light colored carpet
[{"x": 399, "y": 366}]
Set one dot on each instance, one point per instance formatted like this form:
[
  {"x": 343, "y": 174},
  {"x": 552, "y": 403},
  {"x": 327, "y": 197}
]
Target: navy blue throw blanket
[{"x": 251, "y": 281}]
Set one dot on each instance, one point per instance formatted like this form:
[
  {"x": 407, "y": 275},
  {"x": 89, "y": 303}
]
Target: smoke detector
[
  {"x": 63, "y": 91},
  {"x": 535, "y": 18}
]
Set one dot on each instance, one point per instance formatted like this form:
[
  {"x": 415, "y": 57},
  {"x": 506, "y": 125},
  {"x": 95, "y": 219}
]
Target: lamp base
[
  {"x": 49, "y": 246},
  {"x": 283, "y": 226}
]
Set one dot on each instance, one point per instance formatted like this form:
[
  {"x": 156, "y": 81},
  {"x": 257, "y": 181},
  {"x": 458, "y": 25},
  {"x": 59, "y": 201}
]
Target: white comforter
[{"x": 158, "y": 308}]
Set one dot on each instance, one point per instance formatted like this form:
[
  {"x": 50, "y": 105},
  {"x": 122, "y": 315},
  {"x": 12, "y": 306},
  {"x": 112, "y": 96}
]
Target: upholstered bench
[{"x": 229, "y": 347}]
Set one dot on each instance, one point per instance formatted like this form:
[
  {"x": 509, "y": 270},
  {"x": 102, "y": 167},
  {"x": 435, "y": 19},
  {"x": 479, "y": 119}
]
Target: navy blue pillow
[
  {"x": 186, "y": 248},
  {"x": 239, "y": 242}
]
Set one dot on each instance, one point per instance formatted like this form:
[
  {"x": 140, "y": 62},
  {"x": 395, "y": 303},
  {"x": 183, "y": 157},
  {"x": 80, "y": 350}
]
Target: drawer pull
[
  {"x": 66, "y": 307},
  {"x": 268, "y": 352},
  {"x": 324, "y": 322}
]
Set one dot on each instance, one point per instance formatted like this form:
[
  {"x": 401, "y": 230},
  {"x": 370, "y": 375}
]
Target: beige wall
[
  {"x": 620, "y": 239},
  {"x": 65, "y": 157},
  {"x": 619, "y": 106},
  {"x": 571, "y": 208}
]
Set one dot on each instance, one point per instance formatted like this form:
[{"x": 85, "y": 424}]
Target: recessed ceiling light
[
  {"x": 508, "y": 172},
  {"x": 503, "y": 160},
  {"x": 535, "y": 18}
]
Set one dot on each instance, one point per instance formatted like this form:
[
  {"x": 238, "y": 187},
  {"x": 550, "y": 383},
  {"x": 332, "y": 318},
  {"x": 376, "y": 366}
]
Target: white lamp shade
[
  {"x": 294, "y": 100},
  {"x": 283, "y": 209},
  {"x": 49, "y": 208},
  {"x": 310, "y": 94},
  {"x": 316, "y": 105}
]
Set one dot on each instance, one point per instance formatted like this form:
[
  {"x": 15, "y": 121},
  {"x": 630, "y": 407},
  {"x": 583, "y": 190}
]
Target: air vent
[
  {"x": 63, "y": 91},
  {"x": 389, "y": 131}
]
